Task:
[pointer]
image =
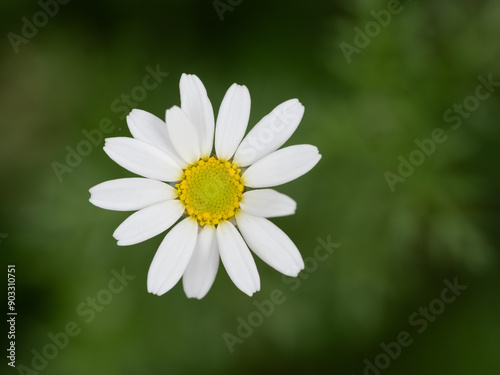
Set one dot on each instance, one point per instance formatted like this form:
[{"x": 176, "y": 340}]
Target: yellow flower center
[{"x": 211, "y": 190}]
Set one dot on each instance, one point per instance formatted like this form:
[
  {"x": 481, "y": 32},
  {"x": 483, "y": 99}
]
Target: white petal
[
  {"x": 183, "y": 134},
  {"x": 281, "y": 166},
  {"x": 148, "y": 222},
  {"x": 237, "y": 259},
  {"x": 232, "y": 121},
  {"x": 202, "y": 268},
  {"x": 130, "y": 194},
  {"x": 148, "y": 128},
  {"x": 267, "y": 203},
  {"x": 270, "y": 133},
  {"x": 270, "y": 244},
  {"x": 196, "y": 104},
  {"x": 172, "y": 257},
  {"x": 143, "y": 159}
]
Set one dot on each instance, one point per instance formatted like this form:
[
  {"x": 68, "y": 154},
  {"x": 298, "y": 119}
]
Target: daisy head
[{"x": 218, "y": 194}]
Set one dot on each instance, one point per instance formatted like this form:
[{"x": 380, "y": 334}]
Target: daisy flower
[{"x": 213, "y": 194}]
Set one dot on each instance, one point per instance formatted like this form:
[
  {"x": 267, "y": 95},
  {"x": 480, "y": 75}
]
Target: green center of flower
[{"x": 211, "y": 190}]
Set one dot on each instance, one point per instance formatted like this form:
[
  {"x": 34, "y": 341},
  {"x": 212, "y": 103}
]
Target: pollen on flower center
[{"x": 211, "y": 190}]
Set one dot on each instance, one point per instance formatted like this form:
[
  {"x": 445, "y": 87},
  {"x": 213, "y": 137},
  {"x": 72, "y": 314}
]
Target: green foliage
[{"x": 396, "y": 247}]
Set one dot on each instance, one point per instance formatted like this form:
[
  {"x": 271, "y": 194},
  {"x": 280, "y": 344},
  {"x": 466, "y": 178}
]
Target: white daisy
[{"x": 211, "y": 192}]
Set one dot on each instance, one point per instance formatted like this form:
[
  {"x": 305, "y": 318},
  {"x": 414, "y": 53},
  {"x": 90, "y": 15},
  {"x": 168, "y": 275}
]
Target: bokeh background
[{"x": 395, "y": 250}]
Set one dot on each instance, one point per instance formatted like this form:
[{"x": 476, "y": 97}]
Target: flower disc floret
[{"x": 211, "y": 190}]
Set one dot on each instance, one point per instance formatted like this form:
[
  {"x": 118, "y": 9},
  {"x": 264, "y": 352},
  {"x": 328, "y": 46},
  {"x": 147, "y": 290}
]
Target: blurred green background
[{"x": 396, "y": 247}]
